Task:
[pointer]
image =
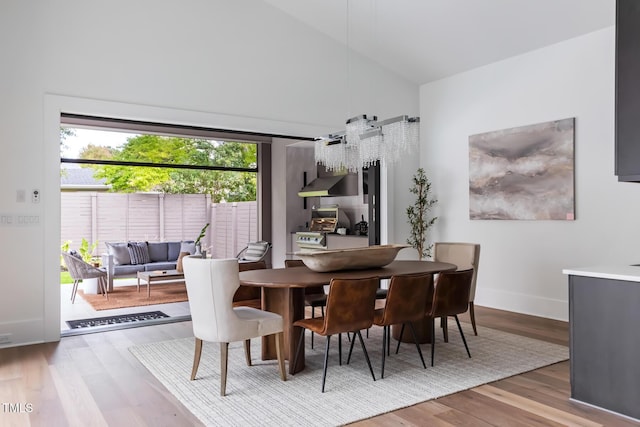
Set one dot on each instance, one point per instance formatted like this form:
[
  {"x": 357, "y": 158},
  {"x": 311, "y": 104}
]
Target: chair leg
[
  {"x": 326, "y": 361},
  {"x": 224, "y": 358},
  {"x": 353, "y": 341},
  {"x": 280, "y": 355},
  {"x": 472, "y": 314},
  {"x": 415, "y": 339},
  {"x": 196, "y": 358},
  {"x": 340, "y": 349},
  {"x": 433, "y": 337},
  {"x": 103, "y": 287},
  {"x": 462, "y": 335},
  {"x": 400, "y": 338},
  {"x": 384, "y": 347},
  {"x": 313, "y": 315},
  {"x": 74, "y": 290},
  {"x": 445, "y": 328},
  {"x": 247, "y": 351},
  {"x": 366, "y": 355}
]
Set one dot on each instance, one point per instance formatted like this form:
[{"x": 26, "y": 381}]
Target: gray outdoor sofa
[{"x": 126, "y": 259}]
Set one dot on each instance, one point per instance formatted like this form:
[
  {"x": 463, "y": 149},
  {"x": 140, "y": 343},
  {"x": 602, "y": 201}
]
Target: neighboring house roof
[{"x": 79, "y": 179}]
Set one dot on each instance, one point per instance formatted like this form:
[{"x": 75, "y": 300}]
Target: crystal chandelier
[{"x": 366, "y": 141}]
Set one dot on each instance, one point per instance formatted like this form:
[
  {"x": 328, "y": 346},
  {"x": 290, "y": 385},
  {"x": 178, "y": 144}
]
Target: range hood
[{"x": 324, "y": 186}]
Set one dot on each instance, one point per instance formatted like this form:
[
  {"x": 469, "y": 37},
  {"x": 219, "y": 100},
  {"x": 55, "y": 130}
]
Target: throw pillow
[
  {"x": 120, "y": 253},
  {"x": 188, "y": 247},
  {"x": 139, "y": 252}
]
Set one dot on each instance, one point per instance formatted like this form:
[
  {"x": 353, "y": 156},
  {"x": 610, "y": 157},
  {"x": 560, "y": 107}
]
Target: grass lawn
[{"x": 65, "y": 277}]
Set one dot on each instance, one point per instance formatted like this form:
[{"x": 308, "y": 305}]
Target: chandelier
[{"x": 366, "y": 141}]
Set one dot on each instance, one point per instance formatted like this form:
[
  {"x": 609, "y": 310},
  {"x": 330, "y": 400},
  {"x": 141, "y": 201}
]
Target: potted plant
[
  {"x": 198, "y": 243},
  {"x": 418, "y": 214}
]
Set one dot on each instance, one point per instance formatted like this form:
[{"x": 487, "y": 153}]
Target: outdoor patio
[{"x": 82, "y": 310}]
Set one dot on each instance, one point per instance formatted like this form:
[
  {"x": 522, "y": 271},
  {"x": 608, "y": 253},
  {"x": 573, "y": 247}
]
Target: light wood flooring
[{"x": 93, "y": 380}]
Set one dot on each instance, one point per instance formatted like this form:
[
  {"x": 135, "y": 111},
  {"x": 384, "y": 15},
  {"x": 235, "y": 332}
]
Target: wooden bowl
[{"x": 350, "y": 258}]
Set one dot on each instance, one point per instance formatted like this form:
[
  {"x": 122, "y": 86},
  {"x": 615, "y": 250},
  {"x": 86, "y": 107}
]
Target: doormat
[{"x": 112, "y": 320}]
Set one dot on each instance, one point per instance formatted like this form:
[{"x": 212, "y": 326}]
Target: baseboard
[{"x": 525, "y": 304}]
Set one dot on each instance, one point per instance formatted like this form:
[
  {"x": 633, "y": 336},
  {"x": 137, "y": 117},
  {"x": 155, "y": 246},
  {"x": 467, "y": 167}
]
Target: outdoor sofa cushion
[{"x": 120, "y": 253}]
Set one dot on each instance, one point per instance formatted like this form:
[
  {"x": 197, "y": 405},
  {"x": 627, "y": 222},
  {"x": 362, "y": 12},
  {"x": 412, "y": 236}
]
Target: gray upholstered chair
[{"x": 80, "y": 270}]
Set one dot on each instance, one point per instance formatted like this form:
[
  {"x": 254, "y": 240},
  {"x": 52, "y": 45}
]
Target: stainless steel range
[{"x": 325, "y": 219}]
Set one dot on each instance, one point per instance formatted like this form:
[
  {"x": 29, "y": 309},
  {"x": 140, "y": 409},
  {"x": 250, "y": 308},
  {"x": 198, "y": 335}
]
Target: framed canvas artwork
[{"x": 523, "y": 173}]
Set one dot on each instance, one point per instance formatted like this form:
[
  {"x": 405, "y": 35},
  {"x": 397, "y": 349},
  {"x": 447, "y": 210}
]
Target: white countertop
[{"x": 615, "y": 272}]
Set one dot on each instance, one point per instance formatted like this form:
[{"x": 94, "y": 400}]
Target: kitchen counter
[
  {"x": 604, "y": 311},
  {"x": 630, "y": 273}
]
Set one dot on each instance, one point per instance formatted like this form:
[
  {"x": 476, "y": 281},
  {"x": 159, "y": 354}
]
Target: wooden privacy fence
[{"x": 115, "y": 217}]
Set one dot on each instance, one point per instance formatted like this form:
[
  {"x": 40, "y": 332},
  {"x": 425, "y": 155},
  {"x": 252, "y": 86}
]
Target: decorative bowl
[{"x": 350, "y": 258}]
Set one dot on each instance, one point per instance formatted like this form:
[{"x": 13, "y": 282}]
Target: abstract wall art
[{"x": 523, "y": 173}]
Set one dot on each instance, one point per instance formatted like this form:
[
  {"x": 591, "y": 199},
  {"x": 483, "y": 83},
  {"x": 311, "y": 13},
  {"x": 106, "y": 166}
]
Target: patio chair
[
  {"x": 254, "y": 251},
  {"x": 80, "y": 270}
]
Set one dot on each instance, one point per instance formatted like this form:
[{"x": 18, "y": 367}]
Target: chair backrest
[
  {"x": 350, "y": 305},
  {"x": 464, "y": 255},
  {"x": 254, "y": 251},
  {"x": 211, "y": 284},
  {"x": 293, "y": 263},
  {"x": 78, "y": 269},
  {"x": 407, "y": 298},
  {"x": 451, "y": 293}
]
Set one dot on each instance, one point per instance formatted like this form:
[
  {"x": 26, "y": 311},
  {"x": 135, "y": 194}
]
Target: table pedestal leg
[
  {"x": 289, "y": 303},
  {"x": 423, "y": 332}
]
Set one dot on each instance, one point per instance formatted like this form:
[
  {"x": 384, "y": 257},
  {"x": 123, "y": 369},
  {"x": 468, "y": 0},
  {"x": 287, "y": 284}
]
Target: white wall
[
  {"x": 228, "y": 64},
  {"x": 521, "y": 262}
]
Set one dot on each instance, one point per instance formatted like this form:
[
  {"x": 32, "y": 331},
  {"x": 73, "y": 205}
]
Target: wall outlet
[
  {"x": 35, "y": 196},
  {"x": 5, "y": 338}
]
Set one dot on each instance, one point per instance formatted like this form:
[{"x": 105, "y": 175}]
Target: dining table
[{"x": 283, "y": 293}]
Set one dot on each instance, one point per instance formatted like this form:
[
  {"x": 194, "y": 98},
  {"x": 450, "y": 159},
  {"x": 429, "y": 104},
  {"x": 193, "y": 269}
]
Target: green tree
[
  {"x": 96, "y": 152},
  {"x": 221, "y": 185}
]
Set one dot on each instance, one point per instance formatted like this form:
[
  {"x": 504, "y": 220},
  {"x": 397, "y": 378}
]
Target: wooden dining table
[{"x": 283, "y": 293}]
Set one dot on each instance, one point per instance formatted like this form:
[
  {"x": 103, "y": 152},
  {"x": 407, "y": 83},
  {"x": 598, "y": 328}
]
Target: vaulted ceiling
[{"x": 426, "y": 40}]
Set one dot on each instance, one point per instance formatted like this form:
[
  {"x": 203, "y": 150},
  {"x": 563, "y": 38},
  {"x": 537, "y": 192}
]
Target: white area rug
[{"x": 257, "y": 397}]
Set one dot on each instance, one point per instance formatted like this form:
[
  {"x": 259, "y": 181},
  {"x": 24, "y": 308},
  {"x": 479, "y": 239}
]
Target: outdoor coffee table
[{"x": 158, "y": 276}]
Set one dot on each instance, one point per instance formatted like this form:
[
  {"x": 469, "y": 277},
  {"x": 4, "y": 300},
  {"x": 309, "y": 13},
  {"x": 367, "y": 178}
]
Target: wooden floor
[{"x": 93, "y": 380}]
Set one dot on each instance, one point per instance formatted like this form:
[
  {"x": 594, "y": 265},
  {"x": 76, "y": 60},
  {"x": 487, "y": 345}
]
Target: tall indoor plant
[{"x": 418, "y": 214}]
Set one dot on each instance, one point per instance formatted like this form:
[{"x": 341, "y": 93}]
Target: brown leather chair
[
  {"x": 406, "y": 302},
  {"x": 249, "y": 296},
  {"x": 314, "y": 296},
  {"x": 350, "y": 308},
  {"x": 450, "y": 298}
]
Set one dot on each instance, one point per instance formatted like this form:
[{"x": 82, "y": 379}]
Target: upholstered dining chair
[
  {"x": 350, "y": 308},
  {"x": 80, "y": 270},
  {"x": 211, "y": 284},
  {"x": 405, "y": 304},
  {"x": 465, "y": 256},
  {"x": 314, "y": 296},
  {"x": 249, "y": 296},
  {"x": 450, "y": 298}
]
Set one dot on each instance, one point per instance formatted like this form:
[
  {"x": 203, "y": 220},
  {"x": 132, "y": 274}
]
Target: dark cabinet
[{"x": 627, "y": 106}]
